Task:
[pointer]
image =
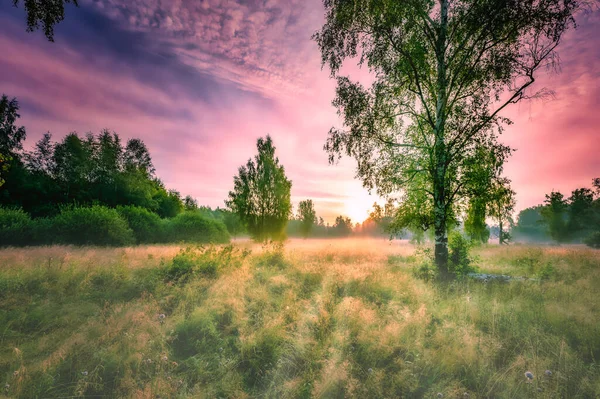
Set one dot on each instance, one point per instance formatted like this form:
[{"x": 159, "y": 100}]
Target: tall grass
[{"x": 321, "y": 318}]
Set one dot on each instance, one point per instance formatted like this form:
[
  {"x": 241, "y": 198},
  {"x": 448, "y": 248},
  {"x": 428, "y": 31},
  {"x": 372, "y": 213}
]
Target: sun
[{"x": 358, "y": 204}]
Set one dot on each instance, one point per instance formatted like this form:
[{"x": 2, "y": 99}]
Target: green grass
[{"x": 317, "y": 318}]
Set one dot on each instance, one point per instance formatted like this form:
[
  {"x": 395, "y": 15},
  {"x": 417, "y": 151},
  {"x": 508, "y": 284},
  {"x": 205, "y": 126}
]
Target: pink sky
[{"x": 200, "y": 81}]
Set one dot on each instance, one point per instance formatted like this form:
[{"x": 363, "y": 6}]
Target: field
[{"x": 317, "y": 318}]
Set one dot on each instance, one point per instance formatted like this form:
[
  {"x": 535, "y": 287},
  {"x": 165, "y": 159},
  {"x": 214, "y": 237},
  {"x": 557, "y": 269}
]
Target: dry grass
[{"x": 322, "y": 318}]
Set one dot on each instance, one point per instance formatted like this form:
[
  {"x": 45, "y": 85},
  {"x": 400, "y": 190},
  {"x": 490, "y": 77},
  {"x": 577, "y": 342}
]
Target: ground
[{"x": 317, "y": 318}]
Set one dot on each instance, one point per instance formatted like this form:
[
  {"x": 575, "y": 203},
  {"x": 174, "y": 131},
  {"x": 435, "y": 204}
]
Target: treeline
[
  {"x": 85, "y": 171},
  {"x": 342, "y": 227},
  {"x": 564, "y": 219},
  {"x": 93, "y": 190}
]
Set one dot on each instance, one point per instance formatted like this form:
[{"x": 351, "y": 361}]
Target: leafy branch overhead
[{"x": 46, "y": 13}]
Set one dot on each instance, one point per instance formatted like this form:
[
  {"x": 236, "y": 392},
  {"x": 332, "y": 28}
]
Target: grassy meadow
[{"x": 337, "y": 318}]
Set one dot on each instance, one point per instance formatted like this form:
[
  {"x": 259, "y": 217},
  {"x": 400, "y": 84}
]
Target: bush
[
  {"x": 16, "y": 227},
  {"x": 205, "y": 262},
  {"x": 273, "y": 256},
  {"x": 459, "y": 261},
  {"x": 96, "y": 225},
  {"x": 425, "y": 268},
  {"x": 193, "y": 227},
  {"x": 593, "y": 240},
  {"x": 147, "y": 226}
]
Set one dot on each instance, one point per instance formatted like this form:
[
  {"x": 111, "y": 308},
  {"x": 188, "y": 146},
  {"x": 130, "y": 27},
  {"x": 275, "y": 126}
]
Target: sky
[{"x": 200, "y": 81}]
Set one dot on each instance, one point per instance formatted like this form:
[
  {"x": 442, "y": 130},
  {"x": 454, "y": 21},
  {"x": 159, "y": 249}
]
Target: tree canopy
[
  {"x": 261, "y": 194},
  {"x": 307, "y": 216},
  {"x": 443, "y": 73}
]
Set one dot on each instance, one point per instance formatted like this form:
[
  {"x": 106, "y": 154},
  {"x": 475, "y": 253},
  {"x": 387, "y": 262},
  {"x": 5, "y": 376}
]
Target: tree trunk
[
  {"x": 441, "y": 236},
  {"x": 501, "y": 238},
  {"x": 440, "y": 153}
]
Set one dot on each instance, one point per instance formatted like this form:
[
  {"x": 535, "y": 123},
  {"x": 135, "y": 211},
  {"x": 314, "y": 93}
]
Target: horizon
[{"x": 188, "y": 79}]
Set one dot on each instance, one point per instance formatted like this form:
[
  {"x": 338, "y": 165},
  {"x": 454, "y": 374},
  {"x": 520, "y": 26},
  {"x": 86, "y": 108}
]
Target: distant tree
[
  {"x": 554, "y": 215},
  {"x": 383, "y": 216},
  {"x": 169, "y": 203},
  {"x": 443, "y": 72},
  {"x": 530, "y": 224},
  {"x": 261, "y": 194},
  {"x": 581, "y": 213},
  {"x": 342, "y": 226},
  {"x": 596, "y": 185},
  {"x": 232, "y": 222},
  {"x": 106, "y": 165},
  {"x": 46, "y": 13},
  {"x": 40, "y": 159},
  {"x": 73, "y": 166},
  {"x": 11, "y": 135},
  {"x": 137, "y": 158},
  {"x": 501, "y": 206},
  {"x": 307, "y": 217},
  {"x": 3, "y": 168},
  {"x": 189, "y": 203}
]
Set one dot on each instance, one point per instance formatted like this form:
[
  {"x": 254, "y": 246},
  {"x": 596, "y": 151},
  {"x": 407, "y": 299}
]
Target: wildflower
[
  {"x": 7, "y": 387},
  {"x": 370, "y": 370},
  {"x": 161, "y": 316},
  {"x": 529, "y": 375},
  {"x": 84, "y": 373},
  {"x": 221, "y": 349},
  {"x": 164, "y": 358},
  {"x": 174, "y": 364},
  {"x": 16, "y": 373},
  {"x": 548, "y": 373},
  {"x": 440, "y": 395}
]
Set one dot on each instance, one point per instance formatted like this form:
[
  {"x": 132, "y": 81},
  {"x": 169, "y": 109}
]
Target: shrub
[
  {"x": 425, "y": 268},
  {"x": 193, "y": 227},
  {"x": 207, "y": 262},
  {"x": 96, "y": 225},
  {"x": 198, "y": 334},
  {"x": 273, "y": 255},
  {"x": 147, "y": 226},
  {"x": 16, "y": 227},
  {"x": 593, "y": 240},
  {"x": 459, "y": 262},
  {"x": 547, "y": 272}
]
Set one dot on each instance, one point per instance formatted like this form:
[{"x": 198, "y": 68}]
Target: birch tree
[{"x": 443, "y": 73}]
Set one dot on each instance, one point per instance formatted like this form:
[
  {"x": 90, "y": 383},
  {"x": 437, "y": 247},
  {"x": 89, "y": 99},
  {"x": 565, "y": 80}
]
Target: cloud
[{"x": 262, "y": 45}]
